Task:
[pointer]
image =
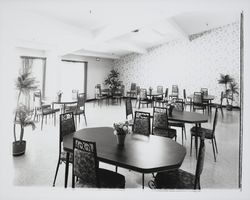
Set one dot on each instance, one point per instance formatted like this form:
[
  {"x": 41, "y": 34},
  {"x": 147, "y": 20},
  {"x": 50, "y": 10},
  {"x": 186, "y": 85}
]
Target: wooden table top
[
  {"x": 185, "y": 116},
  {"x": 139, "y": 153}
]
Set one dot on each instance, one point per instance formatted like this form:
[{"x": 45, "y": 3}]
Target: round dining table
[{"x": 143, "y": 154}]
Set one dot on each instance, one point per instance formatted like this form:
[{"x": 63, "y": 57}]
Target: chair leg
[
  {"x": 191, "y": 145},
  {"x": 213, "y": 150},
  {"x": 85, "y": 119},
  {"x": 143, "y": 181},
  {"x": 57, "y": 167},
  {"x": 42, "y": 123},
  {"x": 221, "y": 109},
  {"x": 215, "y": 145},
  {"x": 184, "y": 127},
  {"x": 182, "y": 135}
]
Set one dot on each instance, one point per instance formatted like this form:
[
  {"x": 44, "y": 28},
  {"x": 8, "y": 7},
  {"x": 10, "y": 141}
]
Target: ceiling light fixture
[{"x": 135, "y": 31}]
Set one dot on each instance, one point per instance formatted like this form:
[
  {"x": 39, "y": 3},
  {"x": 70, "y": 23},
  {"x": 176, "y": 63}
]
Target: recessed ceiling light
[{"x": 135, "y": 31}]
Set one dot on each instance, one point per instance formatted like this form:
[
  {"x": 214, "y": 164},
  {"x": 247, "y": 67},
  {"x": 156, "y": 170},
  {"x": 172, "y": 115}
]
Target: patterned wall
[{"x": 190, "y": 64}]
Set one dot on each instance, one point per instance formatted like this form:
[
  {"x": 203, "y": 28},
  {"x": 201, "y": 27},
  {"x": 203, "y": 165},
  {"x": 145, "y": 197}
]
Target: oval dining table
[{"x": 143, "y": 154}]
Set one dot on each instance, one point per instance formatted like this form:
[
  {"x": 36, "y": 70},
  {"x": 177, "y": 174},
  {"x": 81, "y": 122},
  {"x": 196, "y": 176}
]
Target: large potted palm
[
  {"x": 231, "y": 92},
  {"x": 226, "y": 79},
  {"x": 112, "y": 81},
  {"x": 25, "y": 83}
]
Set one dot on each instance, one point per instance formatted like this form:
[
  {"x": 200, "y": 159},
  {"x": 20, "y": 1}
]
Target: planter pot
[
  {"x": 18, "y": 148},
  {"x": 120, "y": 139}
]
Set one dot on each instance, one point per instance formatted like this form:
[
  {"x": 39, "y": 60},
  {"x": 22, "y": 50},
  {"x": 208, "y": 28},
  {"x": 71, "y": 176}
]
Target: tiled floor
[{"x": 37, "y": 166}]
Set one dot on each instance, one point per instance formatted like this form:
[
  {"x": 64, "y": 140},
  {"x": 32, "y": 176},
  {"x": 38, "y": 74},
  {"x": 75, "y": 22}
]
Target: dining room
[{"x": 149, "y": 103}]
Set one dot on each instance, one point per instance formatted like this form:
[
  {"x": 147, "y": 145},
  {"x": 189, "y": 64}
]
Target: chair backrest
[
  {"x": 175, "y": 89},
  {"x": 166, "y": 93},
  {"x": 200, "y": 163},
  {"x": 160, "y": 117},
  {"x": 197, "y": 98},
  {"x": 215, "y": 119},
  {"x": 179, "y": 105},
  {"x": 85, "y": 163},
  {"x": 67, "y": 125},
  {"x": 129, "y": 109},
  {"x": 133, "y": 87},
  {"x": 184, "y": 94},
  {"x": 141, "y": 123},
  {"x": 37, "y": 98},
  {"x": 221, "y": 98},
  {"x": 81, "y": 98},
  {"x": 143, "y": 93},
  {"x": 159, "y": 89},
  {"x": 98, "y": 90},
  {"x": 138, "y": 89},
  {"x": 204, "y": 91}
]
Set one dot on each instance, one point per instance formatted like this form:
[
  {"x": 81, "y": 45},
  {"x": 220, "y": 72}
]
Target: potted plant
[
  {"x": 23, "y": 115},
  {"x": 231, "y": 91},
  {"x": 225, "y": 79},
  {"x": 112, "y": 81}
]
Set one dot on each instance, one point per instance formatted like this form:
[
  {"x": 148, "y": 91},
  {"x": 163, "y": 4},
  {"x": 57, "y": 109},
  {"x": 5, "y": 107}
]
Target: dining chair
[
  {"x": 141, "y": 123},
  {"x": 67, "y": 126},
  {"x": 179, "y": 106},
  {"x": 143, "y": 99},
  {"x": 175, "y": 92},
  {"x": 208, "y": 133},
  {"x": 38, "y": 103},
  {"x": 129, "y": 111},
  {"x": 160, "y": 123},
  {"x": 86, "y": 168},
  {"x": 187, "y": 100},
  {"x": 180, "y": 179},
  {"x": 165, "y": 99},
  {"x": 159, "y": 90},
  {"x": 138, "y": 90},
  {"x": 204, "y": 92},
  {"x": 80, "y": 107},
  {"x": 198, "y": 102},
  {"x": 43, "y": 110},
  {"x": 132, "y": 91},
  {"x": 99, "y": 96},
  {"x": 219, "y": 105}
]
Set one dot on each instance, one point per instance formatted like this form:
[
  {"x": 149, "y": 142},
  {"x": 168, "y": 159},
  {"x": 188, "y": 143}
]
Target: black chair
[
  {"x": 80, "y": 108},
  {"x": 198, "y": 102},
  {"x": 141, "y": 123},
  {"x": 175, "y": 92},
  {"x": 99, "y": 96},
  {"x": 143, "y": 99},
  {"x": 43, "y": 110},
  {"x": 208, "y": 133},
  {"x": 180, "y": 179},
  {"x": 165, "y": 98},
  {"x": 187, "y": 100},
  {"x": 132, "y": 91},
  {"x": 67, "y": 126},
  {"x": 86, "y": 168},
  {"x": 38, "y": 103},
  {"x": 204, "y": 92},
  {"x": 179, "y": 106},
  {"x": 160, "y": 123},
  {"x": 129, "y": 111},
  {"x": 219, "y": 105},
  {"x": 159, "y": 99}
]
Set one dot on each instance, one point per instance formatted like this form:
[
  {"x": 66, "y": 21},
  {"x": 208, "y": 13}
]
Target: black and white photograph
[{"x": 124, "y": 99}]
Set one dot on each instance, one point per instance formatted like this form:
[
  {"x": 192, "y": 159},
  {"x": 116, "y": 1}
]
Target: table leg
[
  {"x": 66, "y": 170},
  {"x": 196, "y": 140},
  {"x": 143, "y": 181}
]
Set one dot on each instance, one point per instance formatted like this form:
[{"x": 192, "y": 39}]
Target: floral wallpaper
[{"x": 191, "y": 64}]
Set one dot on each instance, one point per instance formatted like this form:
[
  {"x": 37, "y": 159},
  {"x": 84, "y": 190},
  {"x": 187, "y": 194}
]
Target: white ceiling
[{"x": 106, "y": 30}]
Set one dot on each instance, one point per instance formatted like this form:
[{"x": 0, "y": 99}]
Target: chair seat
[
  {"x": 170, "y": 133},
  {"x": 108, "y": 179},
  {"x": 63, "y": 156},
  {"x": 176, "y": 124},
  {"x": 208, "y": 132},
  {"x": 175, "y": 179}
]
